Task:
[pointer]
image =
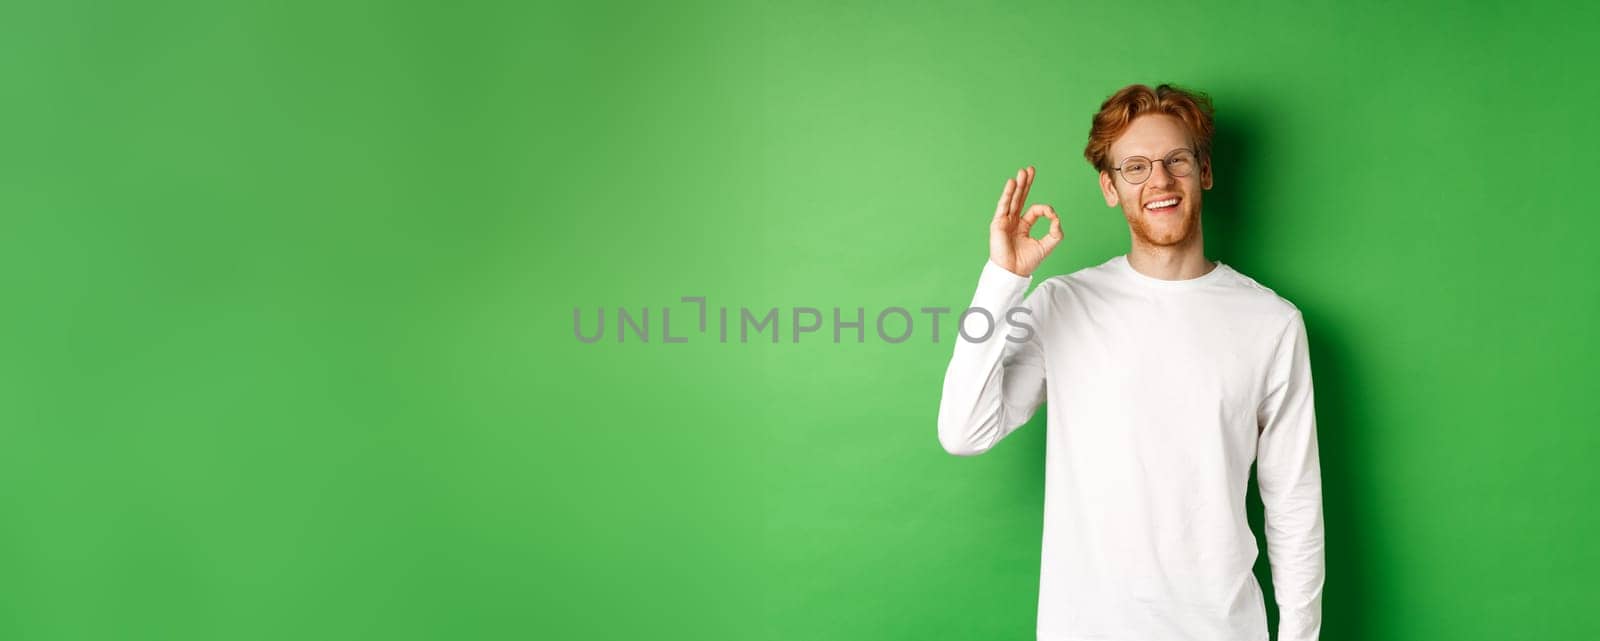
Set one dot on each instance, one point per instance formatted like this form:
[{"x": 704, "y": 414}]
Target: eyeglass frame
[{"x": 1163, "y": 160}]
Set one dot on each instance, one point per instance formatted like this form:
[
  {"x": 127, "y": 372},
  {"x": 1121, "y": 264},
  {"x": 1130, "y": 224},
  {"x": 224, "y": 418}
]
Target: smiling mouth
[{"x": 1164, "y": 206}]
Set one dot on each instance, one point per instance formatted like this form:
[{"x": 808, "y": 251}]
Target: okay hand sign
[{"x": 1010, "y": 244}]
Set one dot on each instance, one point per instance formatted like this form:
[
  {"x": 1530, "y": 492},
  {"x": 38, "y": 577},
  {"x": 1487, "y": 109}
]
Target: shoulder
[{"x": 1261, "y": 298}]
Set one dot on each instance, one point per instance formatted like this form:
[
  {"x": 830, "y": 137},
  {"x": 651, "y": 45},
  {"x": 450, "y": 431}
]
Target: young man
[{"x": 1166, "y": 375}]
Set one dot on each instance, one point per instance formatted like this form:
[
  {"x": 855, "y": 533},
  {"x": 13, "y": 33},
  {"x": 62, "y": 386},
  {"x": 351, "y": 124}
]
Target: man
[{"x": 1166, "y": 375}]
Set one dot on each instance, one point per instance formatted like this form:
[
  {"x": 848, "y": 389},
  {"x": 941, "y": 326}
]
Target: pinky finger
[
  {"x": 1054, "y": 237},
  {"x": 1001, "y": 208}
]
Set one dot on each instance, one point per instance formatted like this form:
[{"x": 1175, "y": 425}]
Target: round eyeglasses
[{"x": 1136, "y": 169}]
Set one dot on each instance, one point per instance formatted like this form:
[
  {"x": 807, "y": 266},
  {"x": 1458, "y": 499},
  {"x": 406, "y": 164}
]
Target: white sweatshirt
[{"x": 1160, "y": 395}]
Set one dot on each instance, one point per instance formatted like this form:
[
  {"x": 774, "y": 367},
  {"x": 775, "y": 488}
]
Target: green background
[{"x": 289, "y": 292}]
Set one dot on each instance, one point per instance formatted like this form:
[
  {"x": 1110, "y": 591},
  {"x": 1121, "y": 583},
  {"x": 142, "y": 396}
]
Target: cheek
[{"x": 1131, "y": 199}]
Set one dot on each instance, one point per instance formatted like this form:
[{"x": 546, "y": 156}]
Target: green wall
[{"x": 289, "y": 287}]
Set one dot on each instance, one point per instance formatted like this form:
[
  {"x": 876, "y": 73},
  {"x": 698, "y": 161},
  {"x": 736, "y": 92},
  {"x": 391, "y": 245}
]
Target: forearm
[
  {"x": 991, "y": 386},
  {"x": 1295, "y": 549}
]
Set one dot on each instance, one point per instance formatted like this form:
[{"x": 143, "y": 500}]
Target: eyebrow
[{"x": 1169, "y": 153}]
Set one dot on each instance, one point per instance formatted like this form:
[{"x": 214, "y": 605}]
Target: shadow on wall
[{"x": 1234, "y": 215}]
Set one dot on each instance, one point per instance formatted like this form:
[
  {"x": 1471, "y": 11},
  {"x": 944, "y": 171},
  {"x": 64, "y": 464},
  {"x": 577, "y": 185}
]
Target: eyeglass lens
[{"x": 1137, "y": 168}]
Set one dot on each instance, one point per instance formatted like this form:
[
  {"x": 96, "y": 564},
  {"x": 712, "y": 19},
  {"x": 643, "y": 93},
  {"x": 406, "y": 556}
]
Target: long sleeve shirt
[{"x": 1159, "y": 395}]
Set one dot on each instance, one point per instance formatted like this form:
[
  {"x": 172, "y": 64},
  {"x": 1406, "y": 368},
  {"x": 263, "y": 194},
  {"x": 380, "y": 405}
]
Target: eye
[{"x": 1135, "y": 166}]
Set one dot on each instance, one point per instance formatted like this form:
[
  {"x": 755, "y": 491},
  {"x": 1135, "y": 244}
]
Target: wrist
[{"x": 1010, "y": 269}]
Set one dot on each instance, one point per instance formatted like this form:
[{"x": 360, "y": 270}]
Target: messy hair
[{"x": 1118, "y": 111}]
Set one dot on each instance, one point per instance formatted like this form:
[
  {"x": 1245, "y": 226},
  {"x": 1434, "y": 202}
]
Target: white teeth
[{"x": 1162, "y": 203}]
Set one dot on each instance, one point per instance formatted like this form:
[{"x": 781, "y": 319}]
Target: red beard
[{"x": 1164, "y": 230}]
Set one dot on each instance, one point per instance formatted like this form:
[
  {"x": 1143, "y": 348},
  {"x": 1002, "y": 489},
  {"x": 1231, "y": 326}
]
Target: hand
[{"x": 1011, "y": 244}]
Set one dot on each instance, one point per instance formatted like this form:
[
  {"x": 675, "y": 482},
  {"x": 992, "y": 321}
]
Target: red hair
[{"x": 1118, "y": 111}]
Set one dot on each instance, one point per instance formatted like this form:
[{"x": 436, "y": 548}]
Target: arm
[
  {"x": 1290, "y": 478},
  {"x": 992, "y": 387}
]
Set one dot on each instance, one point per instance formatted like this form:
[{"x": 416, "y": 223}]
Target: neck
[{"x": 1171, "y": 262}]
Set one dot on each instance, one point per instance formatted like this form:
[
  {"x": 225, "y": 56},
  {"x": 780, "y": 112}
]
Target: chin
[{"x": 1164, "y": 233}]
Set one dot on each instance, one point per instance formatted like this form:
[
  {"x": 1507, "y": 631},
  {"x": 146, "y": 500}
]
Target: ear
[
  {"x": 1205, "y": 174},
  {"x": 1108, "y": 189}
]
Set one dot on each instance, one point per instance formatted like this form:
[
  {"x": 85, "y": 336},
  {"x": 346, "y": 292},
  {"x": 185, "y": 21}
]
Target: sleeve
[
  {"x": 1290, "y": 478},
  {"x": 993, "y": 386}
]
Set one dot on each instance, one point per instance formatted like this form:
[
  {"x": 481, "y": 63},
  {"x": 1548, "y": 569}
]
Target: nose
[{"x": 1159, "y": 175}]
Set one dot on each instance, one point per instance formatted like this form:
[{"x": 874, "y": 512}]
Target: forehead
[{"x": 1151, "y": 135}]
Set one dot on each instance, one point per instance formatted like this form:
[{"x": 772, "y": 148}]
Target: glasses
[{"x": 1136, "y": 169}]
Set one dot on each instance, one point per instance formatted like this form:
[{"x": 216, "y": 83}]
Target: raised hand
[{"x": 1010, "y": 243}]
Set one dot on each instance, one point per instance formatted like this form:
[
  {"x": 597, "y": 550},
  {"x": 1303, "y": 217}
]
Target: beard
[{"x": 1165, "y": 230}]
